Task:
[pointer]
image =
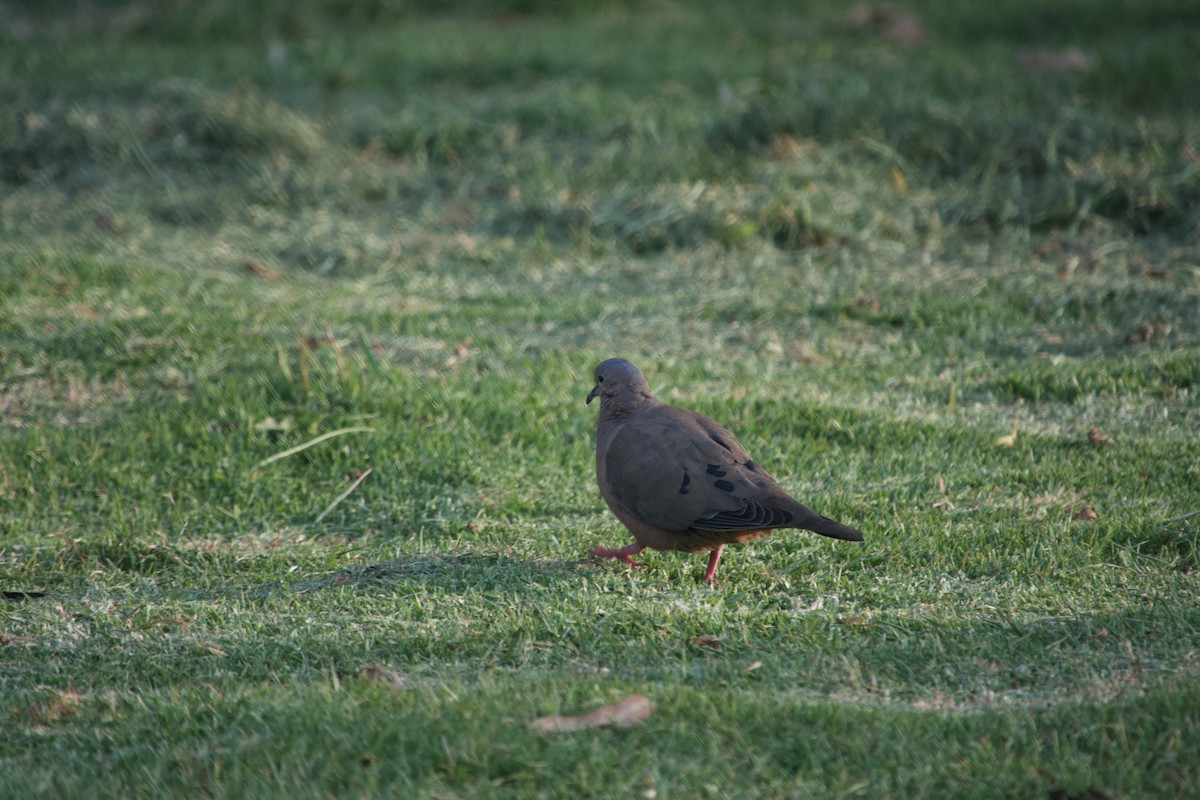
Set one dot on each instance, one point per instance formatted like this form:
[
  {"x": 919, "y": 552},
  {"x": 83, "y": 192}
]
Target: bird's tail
[{"x": 827, "y": 527}]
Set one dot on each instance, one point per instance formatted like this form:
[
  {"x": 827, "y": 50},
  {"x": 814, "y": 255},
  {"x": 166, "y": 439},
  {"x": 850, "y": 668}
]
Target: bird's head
[{"x": 619, "y": 380}]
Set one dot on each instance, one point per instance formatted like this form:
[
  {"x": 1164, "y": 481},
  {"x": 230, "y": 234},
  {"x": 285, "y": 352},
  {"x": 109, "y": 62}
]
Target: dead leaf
[
  {"x": 467, "y": 242},
  {"x": 63, "y": 286},
  {"x": 1087, "y": 514},
  {"x": 784, "y": 147},
  {"x": 21, "y": 641},
  {"x": 867, "y": 303},
  {"x": 1007, "y": 440},
  {"x": 707, "y": 640},
  {"x": 1066, "y": 269},
  {"x": 944, "y": 501},
  {"x": 460, "y": 351},
  {"x": 1097, "y": 438},
  {"x": 104, "y": 222},
  {"x": 896, "y": 26},
  {"x": 373, "y": 147},
  {"x": 1183, "y": 569},
  {"x": 904, "y": 29},
  {"x": 255, "y": 267},
  {"x": 1147, "y": 332},
  {"x": 1070, "y": 59},
  {"x": 384, "y": 675},
  {"x": 624, "y": 713},
  {"x": 861, "y": 16},
  {"x": 55, "y": 708}
]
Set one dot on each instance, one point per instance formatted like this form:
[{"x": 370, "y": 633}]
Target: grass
[{"x": 870, "y": 260}]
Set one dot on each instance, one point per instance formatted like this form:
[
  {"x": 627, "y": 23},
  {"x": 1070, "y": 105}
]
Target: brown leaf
[
  {"x": 63, "y": 286},
  {"x": 1181, "y": 568},
  {"x": 60, "y": 705},
  {"x": 904, "y": 29},
  {"x": 861, "y": 16},
  {"x": 1008, "y": 439},
  {"x": 707, "y": 640},
  {"x": 373, "y": 147},
  {"x": 24, "y": 641},
  {"x": 897, "y": 26},
  {"x": 1097, "y": 438},
  {"x": 944, "y": 501},
  {"x": 104, "y": 222},
  {"x": 260, "y": 269},
  {"x": 1087, "y": 513},
  {"x": 1070, "y": 59},
  {"x": 784, "y": 147},
  {"x": 867, "y": 304},
  {"x": 1148, "y": 332},
  {"x": 379, "y": 674},
  {"x": 624, "y": 713},
  {"x": 1066, "y": 268}
]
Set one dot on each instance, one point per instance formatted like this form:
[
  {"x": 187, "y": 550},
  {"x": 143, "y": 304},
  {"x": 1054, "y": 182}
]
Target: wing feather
[{"x": 678, "y": 470}]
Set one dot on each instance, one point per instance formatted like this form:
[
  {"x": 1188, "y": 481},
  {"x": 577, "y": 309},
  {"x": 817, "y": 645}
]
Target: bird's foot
[
  {"x": 713, "y": 559},
  {"x": 622, "y": 553}
]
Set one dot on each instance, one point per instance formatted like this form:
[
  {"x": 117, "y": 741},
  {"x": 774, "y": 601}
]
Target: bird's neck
[{"x": 620, "y": 408}]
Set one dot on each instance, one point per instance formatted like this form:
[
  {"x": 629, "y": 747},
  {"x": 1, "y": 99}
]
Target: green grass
[{"x": 220, "y": 240}]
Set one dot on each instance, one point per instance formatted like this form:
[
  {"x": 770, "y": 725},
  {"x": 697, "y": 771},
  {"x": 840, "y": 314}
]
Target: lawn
[{"x": 299, "y": 307}]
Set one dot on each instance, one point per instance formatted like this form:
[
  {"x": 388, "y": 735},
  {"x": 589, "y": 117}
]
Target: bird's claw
[{"x": 620, "y": 552}]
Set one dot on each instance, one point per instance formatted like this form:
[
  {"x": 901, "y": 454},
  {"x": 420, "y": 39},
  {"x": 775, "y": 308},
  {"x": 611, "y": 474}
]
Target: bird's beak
[{"x": 592, "y": 394}]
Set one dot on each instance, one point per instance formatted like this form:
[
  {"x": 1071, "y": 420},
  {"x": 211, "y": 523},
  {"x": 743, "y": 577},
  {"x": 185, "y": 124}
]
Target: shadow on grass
[{"x": 451, "y": 572}]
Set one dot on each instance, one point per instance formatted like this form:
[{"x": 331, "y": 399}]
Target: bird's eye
[{"x": 599, "y": 379}]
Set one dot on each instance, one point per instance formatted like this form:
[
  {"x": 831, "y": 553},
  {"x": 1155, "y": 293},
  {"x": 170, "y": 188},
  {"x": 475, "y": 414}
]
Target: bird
[{"x": 679, "y": 481}]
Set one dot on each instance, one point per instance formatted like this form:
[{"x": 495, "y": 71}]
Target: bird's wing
[{"x": 676, "y": 470}]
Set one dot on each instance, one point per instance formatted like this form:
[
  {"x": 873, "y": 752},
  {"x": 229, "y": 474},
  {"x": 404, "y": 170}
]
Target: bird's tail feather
[{"x": 828, "y": 527}]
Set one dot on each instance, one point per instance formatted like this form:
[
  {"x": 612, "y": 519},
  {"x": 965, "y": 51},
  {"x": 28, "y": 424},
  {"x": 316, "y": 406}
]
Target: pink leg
[
  {"x": 712, "y": 563},
  {"x": 622, "y": 553}
]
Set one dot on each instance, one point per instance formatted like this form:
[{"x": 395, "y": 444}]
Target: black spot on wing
[
  {"x": 724, "y": 486},
  {"x": 716, "y": 471},
  {"x": 750, "y": 465},
  {"x": 683, "y": 486},
  {"x": 750, "y": 516}
]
